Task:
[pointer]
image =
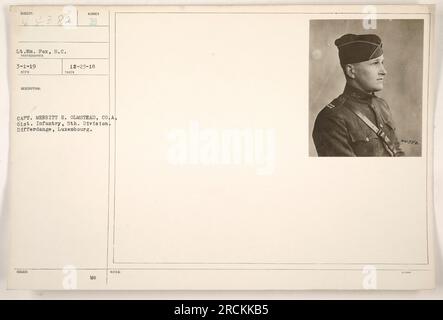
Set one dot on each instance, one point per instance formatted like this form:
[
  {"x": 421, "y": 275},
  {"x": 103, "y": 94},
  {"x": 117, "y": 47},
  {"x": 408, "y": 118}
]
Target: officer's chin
[{"x": 378, "y": 87}]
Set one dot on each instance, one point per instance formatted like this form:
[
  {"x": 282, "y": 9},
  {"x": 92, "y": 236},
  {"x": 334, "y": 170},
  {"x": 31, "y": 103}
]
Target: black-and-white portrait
[{"x": 365, "y": 88}]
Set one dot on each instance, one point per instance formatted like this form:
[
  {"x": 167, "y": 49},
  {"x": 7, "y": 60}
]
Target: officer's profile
[{"x": 358, "y": 122}]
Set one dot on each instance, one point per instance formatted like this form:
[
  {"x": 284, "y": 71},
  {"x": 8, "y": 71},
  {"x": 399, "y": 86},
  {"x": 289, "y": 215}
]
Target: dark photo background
[{"x": 403, "y": 53}]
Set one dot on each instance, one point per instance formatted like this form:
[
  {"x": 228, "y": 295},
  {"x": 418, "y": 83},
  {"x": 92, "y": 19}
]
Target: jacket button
[
  {"x": 367, "y": 139},
  {"x": 381, "y": 125}
]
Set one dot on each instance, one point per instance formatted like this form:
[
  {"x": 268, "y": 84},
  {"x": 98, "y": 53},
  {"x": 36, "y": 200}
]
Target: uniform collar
[{"x": 357, "y": 93}]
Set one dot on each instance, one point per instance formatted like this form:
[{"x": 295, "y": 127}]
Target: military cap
[{"x": 353, "y": 48}]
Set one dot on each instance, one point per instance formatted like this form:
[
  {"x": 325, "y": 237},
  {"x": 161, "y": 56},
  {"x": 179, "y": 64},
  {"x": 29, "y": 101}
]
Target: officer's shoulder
[{"x": 335, "y": 108}]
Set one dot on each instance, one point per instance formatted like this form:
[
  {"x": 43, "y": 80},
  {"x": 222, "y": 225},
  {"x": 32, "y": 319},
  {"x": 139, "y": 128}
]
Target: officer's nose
[{"x": 383, "y": 69}]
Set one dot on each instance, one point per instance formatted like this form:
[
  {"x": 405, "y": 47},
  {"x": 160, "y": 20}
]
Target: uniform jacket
[{"x": 338, "y": 131}]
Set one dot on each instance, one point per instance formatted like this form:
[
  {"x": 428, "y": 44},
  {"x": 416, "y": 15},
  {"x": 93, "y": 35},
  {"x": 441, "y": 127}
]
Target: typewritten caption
[{"x": 57, "y": 123}]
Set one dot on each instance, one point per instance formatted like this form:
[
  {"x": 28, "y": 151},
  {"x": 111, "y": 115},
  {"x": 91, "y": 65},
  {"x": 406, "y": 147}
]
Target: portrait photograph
[{"x": 366, "y": 88}]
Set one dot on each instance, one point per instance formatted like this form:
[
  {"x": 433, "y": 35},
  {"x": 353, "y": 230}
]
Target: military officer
[{"x": 358, "y": 123}]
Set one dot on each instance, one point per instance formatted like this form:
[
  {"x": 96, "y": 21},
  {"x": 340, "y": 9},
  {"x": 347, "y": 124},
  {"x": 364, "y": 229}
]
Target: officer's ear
[{"x": 349, "y": 71}]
